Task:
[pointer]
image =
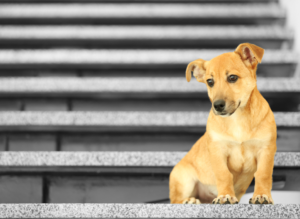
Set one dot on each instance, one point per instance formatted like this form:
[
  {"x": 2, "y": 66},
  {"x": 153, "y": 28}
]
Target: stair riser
[
  {"x": 130, "y": 70},
  {"x": 144, "y": 21},
  {"x": 94, "y": 140},
  {"x": 104, "y": 187},
  {"x": 115, "y": 102},
  {"x": 142, "y": 43},
  {"x": 140, "y": 1}
]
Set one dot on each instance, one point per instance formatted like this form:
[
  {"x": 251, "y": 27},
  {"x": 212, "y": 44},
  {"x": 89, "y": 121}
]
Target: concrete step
[
  {"x": 125, "y": 121},
  {"x": 148, "y": 211},
  {"x": 149, "y": 12},
  {"x": 138, "y": 86},
  {"x": 166, "y": 62},
  {"x": 111, "y": 177},
  {"x": 268, "y": 37},
  {"x": 108, "y": 177},
  {"x": 143, "y": 1},
  {"x": 115, "y": 185},
  {"x": 288, "y": 140},
  {"x": 129, "y": 94},
  {"x": 114, "y": 159},
  {"x": 130, "y": 131}
]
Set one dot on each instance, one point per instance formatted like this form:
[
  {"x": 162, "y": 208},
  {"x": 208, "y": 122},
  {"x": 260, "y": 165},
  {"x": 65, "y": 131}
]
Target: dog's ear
[
  {"x": 250, "y": 54},
  {"x": 198, "y": 68}
]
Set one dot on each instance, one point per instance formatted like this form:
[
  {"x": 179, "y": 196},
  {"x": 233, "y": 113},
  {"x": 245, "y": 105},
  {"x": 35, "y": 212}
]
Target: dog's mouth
[
  {"x": 235, "y": 109},
  {"x": 224, "y": 114}
]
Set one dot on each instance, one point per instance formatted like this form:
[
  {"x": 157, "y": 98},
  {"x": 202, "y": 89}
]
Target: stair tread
[
  {"x": 123, "y": 119},
  {"x": 144, "y": 10},
  {"x": 127, "y": 56},
  {"x": 144, "y": 32},
  {"x": 148, "y": 211},
  {"x": 118, "y": 159},
  {"x": 77, "y": 85}
]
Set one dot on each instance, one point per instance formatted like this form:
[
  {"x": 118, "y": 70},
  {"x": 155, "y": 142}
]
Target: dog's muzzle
[
  {"x": 219, "y": 108},
  {"x": 219, "y": 105}
]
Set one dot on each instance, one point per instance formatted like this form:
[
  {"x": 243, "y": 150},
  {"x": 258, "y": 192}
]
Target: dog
[{"x": 240, "y": 138}]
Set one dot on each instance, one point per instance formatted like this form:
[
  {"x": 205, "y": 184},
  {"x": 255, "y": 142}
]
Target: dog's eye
[
  {"x": 210, "y": 82},
  {"x": 232, "y": 78}
]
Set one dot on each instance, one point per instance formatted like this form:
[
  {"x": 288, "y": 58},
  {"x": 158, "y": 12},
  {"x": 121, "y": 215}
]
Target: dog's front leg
[
  {"x": 224, "y": 178},
  {"x": 263, "y": 177}
]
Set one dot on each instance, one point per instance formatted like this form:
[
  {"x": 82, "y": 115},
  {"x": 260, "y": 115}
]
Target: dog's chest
[
  {"x": 241, "y": 158},
  {"x": 240, "y": 143},
  {"x": 241, "y": 150}
]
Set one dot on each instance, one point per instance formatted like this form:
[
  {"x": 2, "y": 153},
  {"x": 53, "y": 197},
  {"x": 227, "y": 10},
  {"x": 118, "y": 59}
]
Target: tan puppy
[{"x": 240, "y": 138}]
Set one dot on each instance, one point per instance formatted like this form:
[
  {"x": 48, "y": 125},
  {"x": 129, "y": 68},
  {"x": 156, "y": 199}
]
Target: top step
[
  {"x": 148, "y": 211},
  {"x": 146, "y": 13},
  {"x": 142, "y": 1}
]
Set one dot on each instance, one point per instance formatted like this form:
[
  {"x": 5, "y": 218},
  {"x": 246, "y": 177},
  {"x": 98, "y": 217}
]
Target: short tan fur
[{"x": 240, "y": 138}]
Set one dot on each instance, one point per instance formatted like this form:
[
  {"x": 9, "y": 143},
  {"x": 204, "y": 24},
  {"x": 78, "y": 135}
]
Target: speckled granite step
[
  {"x": 117, "y": 62},
  {"x": 146, "y": 13},
  {"x": 157, "y": 56},
  {"x": 141, "y": 1},
  {"x": 139, "y": 10},
  {"x": 109, "y": 177},
  {"x": 148, "y": 211},
  {"x": 116, "y": 159},
  {"x": 129, "y": 94},
  {"x": 73, "y": 86},
  {"x": 118, "y": 120},
  {"x": 145, "y": 32},
  {"x": 112, "y": 36}
]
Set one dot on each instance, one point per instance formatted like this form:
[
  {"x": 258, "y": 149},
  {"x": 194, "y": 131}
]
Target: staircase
[{"x": 95, "y": 107}]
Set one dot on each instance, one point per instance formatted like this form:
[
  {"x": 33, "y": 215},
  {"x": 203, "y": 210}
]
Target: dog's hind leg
[{"x": 183, "y": 184}]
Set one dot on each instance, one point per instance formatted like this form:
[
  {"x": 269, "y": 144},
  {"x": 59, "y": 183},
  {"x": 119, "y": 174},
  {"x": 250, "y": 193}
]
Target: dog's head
[{"x": 230, "y": 78}]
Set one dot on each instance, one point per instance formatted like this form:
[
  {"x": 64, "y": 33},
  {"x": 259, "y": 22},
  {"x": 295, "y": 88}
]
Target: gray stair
[
  {"x": 147, "y": 211},
  {"x": 123, "y": 131},
  {"x": 276, "y": 63},
  {"x": 114, "y": 159},
  {"x": 143, "y": 1},
  {"x": 128, "y": 93},
  {"x": 109, "y": 177},
  {"x": 157, "y": 56},
  {"x": 106, "y": 112},
  {"x": 75, "y": 86},
  {"x": 149, "y": 12},
  {"x": 112, "y": 36},
  {"x": 28, "y": 120}
]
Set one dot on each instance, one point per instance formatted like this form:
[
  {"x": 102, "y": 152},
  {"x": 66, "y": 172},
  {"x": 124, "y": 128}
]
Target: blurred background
[{"x": 96, "y": 75}]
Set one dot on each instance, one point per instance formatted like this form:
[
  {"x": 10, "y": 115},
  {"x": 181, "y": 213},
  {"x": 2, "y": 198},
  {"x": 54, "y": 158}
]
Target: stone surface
[
  {"x": 145, "y": 32},
  {"x": 129, "y": 142},
  {"x": 108, "y": 189},
  {"x": 148, "y": 211},
  {"x": 10, "y": 105},
  {"x": 139, "y": 56},
  {"x": 104, "y": 119},
  {"x": 32, "y": 143},
  {"x": 115, "y": 158},
  {"x": 140, "y": 10},
  {"x": 3, "y": 143},
  {"x": 142, "y": 104},
  {"x": 45, "y": 105},
  {"x": 288, "y": 140},
  {"x": 20, "y": 189},
  {"x": 118, "y": 119},
  {"x": 135, "y": 84}
]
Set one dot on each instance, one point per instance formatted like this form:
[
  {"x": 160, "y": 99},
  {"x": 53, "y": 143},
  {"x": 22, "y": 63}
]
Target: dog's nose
[{"x": 219, "y": 105}]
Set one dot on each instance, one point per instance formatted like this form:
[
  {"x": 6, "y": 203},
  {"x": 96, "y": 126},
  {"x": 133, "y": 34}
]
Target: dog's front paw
[
  {"x": 191, "y": 200},
  {"x": 261, "y": 199},
  {"x": 225, "y": 199}
]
